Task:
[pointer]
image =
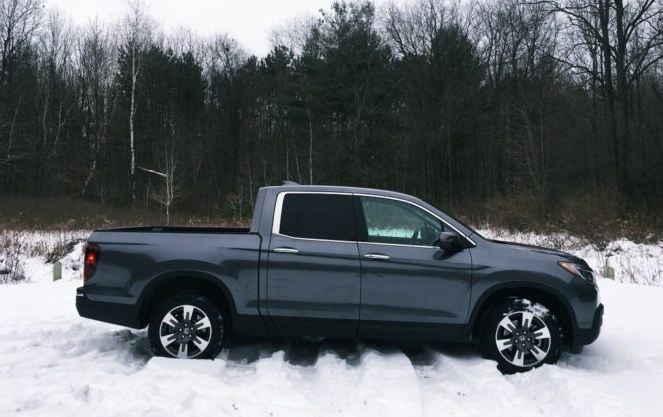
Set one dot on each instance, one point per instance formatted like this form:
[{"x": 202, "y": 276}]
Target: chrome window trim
[
  {"x": 276, "y": 221},
  {"x": 354, "y": 242},
  {"x": 399, "y": 244},
  {"x": 278, "y": 210}
]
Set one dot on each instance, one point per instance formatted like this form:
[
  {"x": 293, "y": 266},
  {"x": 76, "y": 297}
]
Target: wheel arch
[
  {"x": 171, "y": 283},
  {"x": 544, "y": 294}
]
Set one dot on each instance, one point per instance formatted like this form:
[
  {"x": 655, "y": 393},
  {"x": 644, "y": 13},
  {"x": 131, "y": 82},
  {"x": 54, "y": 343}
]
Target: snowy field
[{"x": 54, "y": 363}]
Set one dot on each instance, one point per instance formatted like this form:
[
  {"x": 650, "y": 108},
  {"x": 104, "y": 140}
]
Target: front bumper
[
  {"x": 120, "y": 314},
  {"x": 586, "y": 336}
]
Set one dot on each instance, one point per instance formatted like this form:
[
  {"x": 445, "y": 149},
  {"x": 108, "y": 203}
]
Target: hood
[{"x": 539, "y": 250}]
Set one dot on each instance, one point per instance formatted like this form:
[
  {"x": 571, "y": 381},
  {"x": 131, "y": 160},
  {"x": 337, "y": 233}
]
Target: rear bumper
[
  {"x": 120, "y": 314},
  {"x": 586, "y": 336}
]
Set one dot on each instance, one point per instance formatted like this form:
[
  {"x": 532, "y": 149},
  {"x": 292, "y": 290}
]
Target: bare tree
[
  {"x": 137, "y": 31},
  {"x": 97, "y": 63},
  {"x": 629, "y": 35},
  {"x": 171, "y": 188},
  {"x": 19, "y": 22},
  {"x": 293, "y": 33},
  {"x": 184, "y": 40},
  {"x": 19, "y": 19},
  {"x": 226, "y": 54},
  {"x": 413, "y": 30},
  {"x": 226, "y": 58},
  {"x": 56, "y": 98}
]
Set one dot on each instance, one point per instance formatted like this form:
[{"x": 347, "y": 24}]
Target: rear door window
[{"x": 318, "y": 216}]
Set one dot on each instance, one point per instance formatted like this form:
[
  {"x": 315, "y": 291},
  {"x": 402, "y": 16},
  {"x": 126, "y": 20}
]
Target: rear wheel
[
  {"x": 521, "y": 335},
  {"x": 187, "y": 326}
]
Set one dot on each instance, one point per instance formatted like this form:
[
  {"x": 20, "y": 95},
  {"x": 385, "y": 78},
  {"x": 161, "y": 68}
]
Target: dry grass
[
  {"x": 49, "y": 228},
  {"x": 594, "y": 217},
  {"x": 60, "y": 213},
  {"x": 11, "y": 267}
]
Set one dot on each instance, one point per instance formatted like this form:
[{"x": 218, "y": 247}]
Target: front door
[
  {"x": 410, "y": 288},
  {"x": 313, "y": 282}
]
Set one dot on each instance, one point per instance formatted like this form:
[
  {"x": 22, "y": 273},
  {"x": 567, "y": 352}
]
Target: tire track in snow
[
  {"x": 461, "y": 383},
  {"x": 388, "y": 384},
  {"x": 467, "y": 385}
]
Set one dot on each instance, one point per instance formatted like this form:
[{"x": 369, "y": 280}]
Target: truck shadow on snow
[
  {"x": 305, "y": 352},
  {"x": 131, "y": 348},
  {"x": 134, "y": 348}
]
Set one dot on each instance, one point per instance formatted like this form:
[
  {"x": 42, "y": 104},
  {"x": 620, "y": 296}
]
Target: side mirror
[{"x": 448, "y": 241}]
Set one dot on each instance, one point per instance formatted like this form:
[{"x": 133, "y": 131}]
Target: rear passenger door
[{"x": 313, "y": 281}]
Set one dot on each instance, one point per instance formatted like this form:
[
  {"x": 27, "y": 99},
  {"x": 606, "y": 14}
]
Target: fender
[
  {"x": 157, "y": 281},
  {"x": 516, "y": 285}
]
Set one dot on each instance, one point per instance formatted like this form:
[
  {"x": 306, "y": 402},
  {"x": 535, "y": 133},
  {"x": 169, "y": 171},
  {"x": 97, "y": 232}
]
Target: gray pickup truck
[{"x": 341, "y": 262}]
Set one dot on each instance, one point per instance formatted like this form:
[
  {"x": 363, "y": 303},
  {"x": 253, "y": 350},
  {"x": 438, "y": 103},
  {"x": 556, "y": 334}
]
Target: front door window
[{"x": 398, "y": 222}]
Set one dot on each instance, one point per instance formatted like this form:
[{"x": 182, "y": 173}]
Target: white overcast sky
[{"x": 249, "y": 21}]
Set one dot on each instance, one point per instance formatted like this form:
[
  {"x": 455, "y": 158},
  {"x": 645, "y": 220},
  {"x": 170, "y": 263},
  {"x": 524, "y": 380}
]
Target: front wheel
[
  {"x": 187, "y": 326},
  {"x": 521, "y": 335}
]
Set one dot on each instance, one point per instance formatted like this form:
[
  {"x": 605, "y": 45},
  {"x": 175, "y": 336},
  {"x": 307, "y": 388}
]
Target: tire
[
  {"x": 521, "y": 335},
  {"x": 187, "y": 326}
]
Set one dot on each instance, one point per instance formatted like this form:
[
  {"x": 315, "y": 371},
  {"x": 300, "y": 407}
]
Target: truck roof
[{"x": 290, "y": 186}]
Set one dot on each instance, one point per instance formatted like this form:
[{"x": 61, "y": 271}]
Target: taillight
[{"x": 91, "y": 260}]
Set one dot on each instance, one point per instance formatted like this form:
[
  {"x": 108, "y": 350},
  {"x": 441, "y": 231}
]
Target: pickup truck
[{"x": 342, "y": 262}]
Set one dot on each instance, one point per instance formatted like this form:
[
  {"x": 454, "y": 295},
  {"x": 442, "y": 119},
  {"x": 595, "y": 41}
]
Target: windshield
[{"x": 472, "y": 230}]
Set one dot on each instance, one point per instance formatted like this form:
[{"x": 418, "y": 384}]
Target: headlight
[{"x": 578, "y": 270}]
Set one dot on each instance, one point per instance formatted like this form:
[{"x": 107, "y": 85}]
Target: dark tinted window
[{"x": 318, "y": 216}]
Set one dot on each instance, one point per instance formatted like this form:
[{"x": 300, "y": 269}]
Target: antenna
[{"x": 287, "y": 182}]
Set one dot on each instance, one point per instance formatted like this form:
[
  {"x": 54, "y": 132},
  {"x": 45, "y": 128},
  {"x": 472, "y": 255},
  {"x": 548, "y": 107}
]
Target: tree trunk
[
  {"x": 132, "y": 113},
  {"x": 9, "y": 144},
  {"x": 623, "y": 131},
  {"x": 310, "y": 149},
  {"x": 608, "y": 89},
  {"x": 93, "y": 167}
]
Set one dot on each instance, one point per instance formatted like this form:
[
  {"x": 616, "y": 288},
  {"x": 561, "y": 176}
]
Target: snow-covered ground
[{"x": 54, "y": 363}]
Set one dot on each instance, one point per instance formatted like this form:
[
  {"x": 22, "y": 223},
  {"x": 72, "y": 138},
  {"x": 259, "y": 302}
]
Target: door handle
[
  {"x": 286, "y": 250},
  {"x": 377, "y": 256}
]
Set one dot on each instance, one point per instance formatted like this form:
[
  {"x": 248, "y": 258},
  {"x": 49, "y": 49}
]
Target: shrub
[{"x": 11, "y": 266}]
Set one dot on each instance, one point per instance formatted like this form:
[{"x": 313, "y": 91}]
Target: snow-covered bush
[
  {"x": 21, "y": 251},
  {"x": 11, "y": 265}
]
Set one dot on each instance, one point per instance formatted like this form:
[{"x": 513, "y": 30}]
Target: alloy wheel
[
  {"x": 185, "y": 331},
  {"x": 523, "y": 339}
]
